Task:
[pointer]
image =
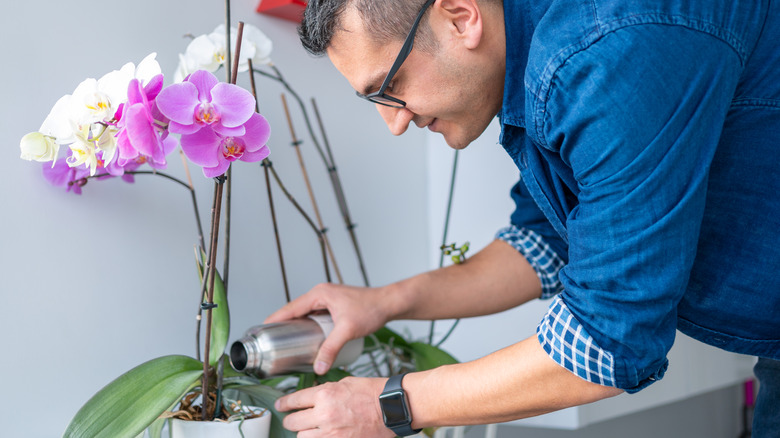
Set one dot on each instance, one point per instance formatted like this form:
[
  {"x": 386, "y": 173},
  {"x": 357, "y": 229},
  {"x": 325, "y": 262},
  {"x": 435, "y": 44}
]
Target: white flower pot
[{"x": 253, "y": 428}]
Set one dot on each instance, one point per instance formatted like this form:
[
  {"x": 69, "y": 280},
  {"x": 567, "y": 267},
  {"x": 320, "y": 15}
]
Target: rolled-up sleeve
[{"x": 637, "y": 117}]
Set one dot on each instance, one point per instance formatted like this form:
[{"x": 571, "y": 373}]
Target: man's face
[{"x": 450, "y": 91}]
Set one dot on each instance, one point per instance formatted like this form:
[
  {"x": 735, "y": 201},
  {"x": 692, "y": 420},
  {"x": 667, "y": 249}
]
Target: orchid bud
[{"x": 38, "y": 147}]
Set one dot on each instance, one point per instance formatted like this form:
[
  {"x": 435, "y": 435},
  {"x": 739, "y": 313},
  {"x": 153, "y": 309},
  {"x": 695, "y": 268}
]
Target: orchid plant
[
  {"x": 127, "y": 119},
  {"x": 111, "y": 127}
]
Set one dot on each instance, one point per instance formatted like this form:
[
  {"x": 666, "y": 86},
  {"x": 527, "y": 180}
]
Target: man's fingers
[
  {"x": 300, "y": 421},
  {"x": 329, "y": 349},
  {"x": 296, "y": 308},
  {"x": 298, "y": 400}
]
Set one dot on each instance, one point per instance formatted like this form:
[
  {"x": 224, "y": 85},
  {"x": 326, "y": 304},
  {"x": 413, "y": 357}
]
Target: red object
[{"x": 288, "y": 9}]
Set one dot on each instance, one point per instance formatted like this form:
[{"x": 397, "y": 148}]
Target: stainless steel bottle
[{"x": 290, "y": 346}]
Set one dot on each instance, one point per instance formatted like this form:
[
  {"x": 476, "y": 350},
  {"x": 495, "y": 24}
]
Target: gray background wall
[{"x": 93, "y": 285}]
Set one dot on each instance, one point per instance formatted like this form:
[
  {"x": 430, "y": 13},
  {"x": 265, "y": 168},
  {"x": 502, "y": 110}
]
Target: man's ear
[{"x": 463, "y": 19}]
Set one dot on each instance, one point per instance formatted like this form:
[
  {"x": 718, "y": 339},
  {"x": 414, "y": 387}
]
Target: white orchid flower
[
  {"x": 261, "y": 43},
  {"x": 147, "y": 69},
  {"x": 208, "y": 52},
  {"x": 83, "y": 150},
  {"x": 57, "y": 123}
]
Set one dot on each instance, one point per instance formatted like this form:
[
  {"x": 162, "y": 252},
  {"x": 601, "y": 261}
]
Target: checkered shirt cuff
[
  {"x": 542, "y": 258},
  {"x": 568, "y": 343}
]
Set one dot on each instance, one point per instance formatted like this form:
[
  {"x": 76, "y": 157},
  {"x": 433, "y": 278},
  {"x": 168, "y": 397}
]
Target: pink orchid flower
[
  {"x": 62, "y": 175},
  {"x": 215, "y": 152},
  {"x": 140, "y": 132},
  {"x": 202, "y": 101}
]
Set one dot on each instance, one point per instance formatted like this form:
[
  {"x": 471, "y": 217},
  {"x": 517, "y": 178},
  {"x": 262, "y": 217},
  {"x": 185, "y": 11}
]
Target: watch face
[{"x": 394, "y": 409}]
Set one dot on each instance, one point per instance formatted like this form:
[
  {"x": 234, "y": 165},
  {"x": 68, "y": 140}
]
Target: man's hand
[
  {"x": 348, "y": 409},
  {"x": 356, "y": 312}
]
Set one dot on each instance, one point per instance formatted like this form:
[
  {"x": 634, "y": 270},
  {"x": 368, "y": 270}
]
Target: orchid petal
[
  {"x": 219, "y": 169},
  {"x": 153, "y": 87},
  {"x": 238, "y": 131},
  {"x": 203, "y": 53},
  {"x": 56, "y": 123},
  {"x": 202, "y": 147},
  {"x": 204, "y": 81},
  {"x": 57, "y": 175},
  {"x": 140, "y": 132},
  {"x": 135, "y": 94},
  {"x": 178, "y": 128},
  {"x": 262, "y": 44},
  {"x": 178, "y": 102},
  {"x": 258, "y": 131},
  {"x": 148, "y": 68},
  {"x": 234, "y": 104},
  {"x": 258, "y": 155}
]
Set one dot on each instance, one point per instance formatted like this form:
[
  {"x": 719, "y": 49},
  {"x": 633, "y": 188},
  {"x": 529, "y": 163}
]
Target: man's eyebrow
[{"x": 373, "y": 83}]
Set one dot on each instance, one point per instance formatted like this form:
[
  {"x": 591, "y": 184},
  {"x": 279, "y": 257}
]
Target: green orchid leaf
[
  {"x": 220, "y": 315},
  {"x": 264, "y": 397},
  {"x": 427, "y": 356},
  {"x": 387, "y": 337},
  {"x": 220, "y": 322},
  {"x": 155, "y": 430},
  {"x": 305, "y": 380},
  {"x": 129, "y": 404},
  {"x": 333, "y": 375}
]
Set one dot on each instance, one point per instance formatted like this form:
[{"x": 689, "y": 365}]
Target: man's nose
[{"x": 397, "y": 119}]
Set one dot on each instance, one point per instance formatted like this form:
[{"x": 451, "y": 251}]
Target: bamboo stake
[
  {"x": 323, "y": 230},
  {"x": 340, "y": 197}
]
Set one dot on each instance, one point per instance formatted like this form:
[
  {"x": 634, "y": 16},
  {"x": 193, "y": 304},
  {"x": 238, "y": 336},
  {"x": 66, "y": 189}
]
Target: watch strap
[{"x": 394, "y": 384}]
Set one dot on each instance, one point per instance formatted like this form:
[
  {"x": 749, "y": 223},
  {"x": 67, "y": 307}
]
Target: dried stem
[
  {"x": 252, "y": 84},
  {"x": 340, "y": 198},
  {"x": 335, "y": 181},
  {"x": 295, "y": 144},
  {"x": 306, "y": 217},
  {"x": 266, "y": 164},
  {"x": 234, "y": 69}
]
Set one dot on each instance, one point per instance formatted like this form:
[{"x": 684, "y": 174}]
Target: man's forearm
[
  {"x": 516, "y": 382},
  {"x": 495, "y": 279}
]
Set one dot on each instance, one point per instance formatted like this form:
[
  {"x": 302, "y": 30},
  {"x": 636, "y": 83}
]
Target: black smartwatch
[{"x": 395, "y": 408}]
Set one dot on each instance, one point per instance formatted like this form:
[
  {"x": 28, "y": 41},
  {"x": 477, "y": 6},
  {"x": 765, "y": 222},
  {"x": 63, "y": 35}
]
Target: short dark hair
[{"x": 386, "y": 20}]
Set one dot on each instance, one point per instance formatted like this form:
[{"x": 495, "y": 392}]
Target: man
[{"x": 647, "y": 135}]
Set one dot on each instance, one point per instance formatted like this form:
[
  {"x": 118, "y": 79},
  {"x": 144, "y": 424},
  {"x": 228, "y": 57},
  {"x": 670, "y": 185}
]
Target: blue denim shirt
[{"x": 647, "y": 134}]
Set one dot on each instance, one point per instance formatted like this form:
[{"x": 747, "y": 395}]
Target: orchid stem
[
  {"x": 266, "y": 165},
  {"x": 444, "y": 243},
  {"x": 296, "y": 143},
  {"x": 329, "y": 164},
  {"x": 226, "y": 260},
  {"x": 340, "y": 197},
  {"x": 306, "y": 217},
  {"x": 218, "y": 189},
  {"x": 227, "y": 41}
]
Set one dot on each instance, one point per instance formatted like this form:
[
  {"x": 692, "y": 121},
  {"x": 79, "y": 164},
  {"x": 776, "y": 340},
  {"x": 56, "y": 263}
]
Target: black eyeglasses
[{"x": 379, "y": 96}]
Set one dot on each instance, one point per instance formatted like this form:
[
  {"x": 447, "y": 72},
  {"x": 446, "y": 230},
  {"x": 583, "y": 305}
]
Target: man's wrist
[{"x": 396, "y": 411}]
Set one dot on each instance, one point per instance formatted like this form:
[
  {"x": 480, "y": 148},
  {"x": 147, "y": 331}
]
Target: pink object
[{"x": 750, "y": 399}]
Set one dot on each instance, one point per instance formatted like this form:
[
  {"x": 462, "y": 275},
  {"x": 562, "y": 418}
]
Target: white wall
[{"x": 93, "y": 285}]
